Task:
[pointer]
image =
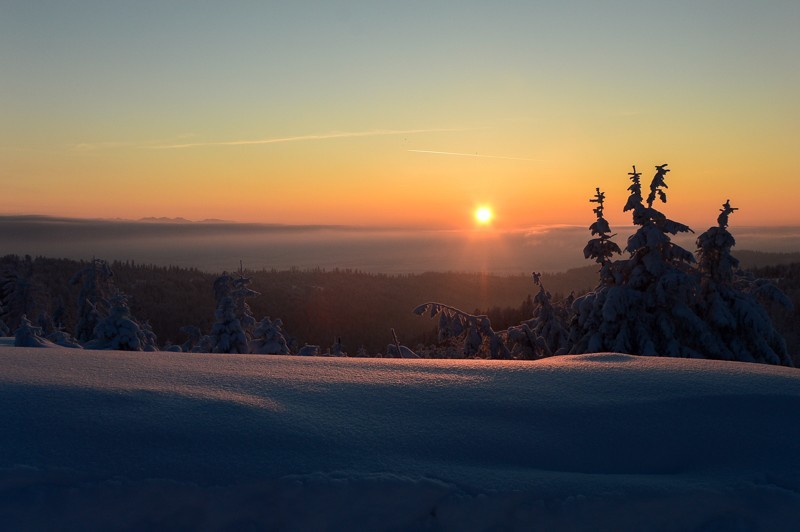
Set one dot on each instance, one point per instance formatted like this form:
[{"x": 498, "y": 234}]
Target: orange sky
[{"x": 406, "y": 115}]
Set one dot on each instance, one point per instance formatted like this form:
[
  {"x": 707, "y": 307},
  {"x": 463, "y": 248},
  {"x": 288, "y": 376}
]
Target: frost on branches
[
  {"x": 268, "y": 338},
  {"x": 728, "y": 301},
  {"x": 545, "y": 334},
  {"x": 661, "y": 302},
  {"x": 227, "y": 334},
  {"x": 644, "y": 303},
  {"x": 477, "y": 330},
  {"x": 656, "y": 301},
  {"x": 235, "y": 329},
  {"x": 119, "y": 330}
]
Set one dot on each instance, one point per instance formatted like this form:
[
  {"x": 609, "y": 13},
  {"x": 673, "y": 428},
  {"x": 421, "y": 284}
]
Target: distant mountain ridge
[{"x": 180, "y": 220}]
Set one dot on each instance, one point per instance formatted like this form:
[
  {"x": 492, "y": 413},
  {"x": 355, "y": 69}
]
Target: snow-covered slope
[{"x": 103, "y": 439}]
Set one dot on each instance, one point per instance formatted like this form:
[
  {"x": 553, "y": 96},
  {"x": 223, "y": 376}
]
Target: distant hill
[
  {"x": 180, "y": 220},
  {"x": 164, "y": 220}
]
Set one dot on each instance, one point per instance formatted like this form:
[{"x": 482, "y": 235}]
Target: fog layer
[{"x": 216, "y": 246}]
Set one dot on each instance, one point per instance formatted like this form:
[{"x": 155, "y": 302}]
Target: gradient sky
[{"x": 330, "y": 112}]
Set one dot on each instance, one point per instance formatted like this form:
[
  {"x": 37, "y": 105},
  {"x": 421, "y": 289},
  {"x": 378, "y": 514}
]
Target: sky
[{"x": 401, "y": 114}]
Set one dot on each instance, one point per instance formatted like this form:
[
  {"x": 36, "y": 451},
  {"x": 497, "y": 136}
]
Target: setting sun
[{"x": 483, "y": 215}]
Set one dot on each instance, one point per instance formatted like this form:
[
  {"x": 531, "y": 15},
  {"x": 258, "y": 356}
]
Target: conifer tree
[
  {"x": 602, "y": 248},
  {"x": 644, "y": 304},
  {"x": 240, "y": 293},
  {"x": 119, "y": 330},
  {"x": 728, "y": 301},
  {"x": 545, "y": 334},
  {"x": 268, "y": 338},
  {"x": 227, "y": 334},
  {"x": 93, "y": 305}
]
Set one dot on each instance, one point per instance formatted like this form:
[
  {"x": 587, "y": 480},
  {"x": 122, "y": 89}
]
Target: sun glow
[{"x": 483, "y": 215}]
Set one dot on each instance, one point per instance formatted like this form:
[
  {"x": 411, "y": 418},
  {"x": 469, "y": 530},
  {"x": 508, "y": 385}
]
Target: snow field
[{"x": 106, "y": 439}]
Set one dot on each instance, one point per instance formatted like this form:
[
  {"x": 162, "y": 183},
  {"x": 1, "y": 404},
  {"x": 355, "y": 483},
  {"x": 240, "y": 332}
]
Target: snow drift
[{"x": 105, "y": 439}]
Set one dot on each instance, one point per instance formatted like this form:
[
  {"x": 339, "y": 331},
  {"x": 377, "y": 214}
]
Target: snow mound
[{"x": 105, "y": 439}]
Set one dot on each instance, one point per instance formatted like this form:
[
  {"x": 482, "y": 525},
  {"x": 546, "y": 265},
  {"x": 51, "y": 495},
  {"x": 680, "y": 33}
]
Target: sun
[{"x": 483, "y": 215}]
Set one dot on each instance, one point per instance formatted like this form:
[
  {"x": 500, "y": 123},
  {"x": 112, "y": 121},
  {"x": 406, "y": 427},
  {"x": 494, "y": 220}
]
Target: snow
[{"x": 104, "y": 439}]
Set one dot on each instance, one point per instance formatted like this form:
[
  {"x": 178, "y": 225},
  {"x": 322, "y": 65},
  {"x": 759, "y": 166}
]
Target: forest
[
  {"x": 722, "y": 300},
  {"x": 316, "y": 306}
]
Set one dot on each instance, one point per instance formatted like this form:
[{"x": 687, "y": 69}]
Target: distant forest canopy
[{"x": 317, "y": 306}]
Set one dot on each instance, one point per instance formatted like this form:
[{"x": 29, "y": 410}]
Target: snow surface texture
[{"x": 94, "y": 440}]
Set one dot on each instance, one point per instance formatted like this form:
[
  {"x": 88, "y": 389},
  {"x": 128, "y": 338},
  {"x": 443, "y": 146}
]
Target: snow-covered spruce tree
[
  {"x": 645, "y": 304},
  {"x": 240, "y": 293},
  {"x": 545, "y": 334},
  {"x": 602, "y": 248},
  {"x": 476, "y": 330},
  {"x": 227, "y": 334},
  {"x": 728, "y": 301},
  {"x": 93, "y": 305},
  {"x": 119, "y": 331},
  {"x": 29, "y": 335},
  {"x": 587, "y": 310},
  {"x": 268, "y": 338}
]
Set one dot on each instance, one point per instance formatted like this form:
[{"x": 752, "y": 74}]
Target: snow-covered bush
[
  {"x": 337, "y": 350},
  {"x": 308, "y": 351},
  {"x": 63, "y": 338},
  {"x": 268, "y": 338},
  {"x": 150, "y": 341},
  {"x": 119, "y": 330},
  {"x": 29, "y": 335},
  {"x": 476, "y": 330},
  {"x": 193, "y": 336}
]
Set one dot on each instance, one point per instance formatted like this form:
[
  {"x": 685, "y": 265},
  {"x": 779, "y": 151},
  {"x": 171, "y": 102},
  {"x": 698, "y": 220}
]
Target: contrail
[
  {"x": 472, "y": 155},
  {"x": 299, "y": 138}
]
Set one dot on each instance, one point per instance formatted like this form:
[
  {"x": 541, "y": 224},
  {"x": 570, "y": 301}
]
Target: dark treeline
[
  {"x": 319, "y": 305},
  {"x": 316, "y": 306}
]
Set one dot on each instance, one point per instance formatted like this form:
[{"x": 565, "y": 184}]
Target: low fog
[{"x": 216, "y": 246}]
